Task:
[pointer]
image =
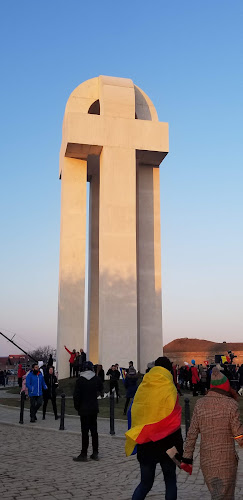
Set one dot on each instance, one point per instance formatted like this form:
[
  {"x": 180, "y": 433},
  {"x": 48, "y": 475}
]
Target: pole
[
  {"x": 112, "y": 414},
  {"x": 187, "y": 414},
  {"x": 61, "y": 428},
  {"x": 22, "y": 400},
  {"x": 5, "y": 336}
]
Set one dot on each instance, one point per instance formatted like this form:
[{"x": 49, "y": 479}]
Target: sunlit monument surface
[{"x": 111, "y": 138}]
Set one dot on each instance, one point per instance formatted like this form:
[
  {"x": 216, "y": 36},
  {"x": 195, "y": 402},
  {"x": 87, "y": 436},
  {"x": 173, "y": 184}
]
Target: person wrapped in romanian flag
[{"x": 156, "y": 428}]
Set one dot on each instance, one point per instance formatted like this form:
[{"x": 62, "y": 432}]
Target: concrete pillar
[
  {"x": 117, "y": 257},
  {"x": 149, "y": 265},
  {"x": 93, "y": 334},
  {"x": 72, "y": 261}
]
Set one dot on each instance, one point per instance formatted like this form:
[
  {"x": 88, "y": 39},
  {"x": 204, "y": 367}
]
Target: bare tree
[{"x": 42, "y": 353}]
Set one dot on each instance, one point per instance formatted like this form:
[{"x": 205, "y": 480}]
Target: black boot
[{"x": 80, "y": 458}]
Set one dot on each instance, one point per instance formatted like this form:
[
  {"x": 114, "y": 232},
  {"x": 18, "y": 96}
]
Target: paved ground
[
  {"x": 36, "y": 462},
  {"x": 5, "y": 394},
  {"x": 72, "y": 423}
]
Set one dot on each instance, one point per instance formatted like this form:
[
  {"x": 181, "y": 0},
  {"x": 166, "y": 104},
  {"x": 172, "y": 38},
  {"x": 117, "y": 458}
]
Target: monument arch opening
[{"x": 94, "y": 109}]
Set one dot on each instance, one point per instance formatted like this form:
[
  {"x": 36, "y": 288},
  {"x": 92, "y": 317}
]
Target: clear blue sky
[{"x": 187, "y": 56}]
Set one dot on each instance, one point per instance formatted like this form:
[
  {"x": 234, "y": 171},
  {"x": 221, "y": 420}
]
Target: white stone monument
[{"x": 111, "y": 138}]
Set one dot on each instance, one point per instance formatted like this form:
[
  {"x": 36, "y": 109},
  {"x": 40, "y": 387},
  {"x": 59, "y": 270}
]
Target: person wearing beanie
[
  {"x": 131, "y": 384},
  {"x": 216, "y": 417},
  {"x": 85, "y": 402},
  {"x": 149, "y": 366},
  {"x": 155, "y": 428},
  {"x": 52, "y": 385}
]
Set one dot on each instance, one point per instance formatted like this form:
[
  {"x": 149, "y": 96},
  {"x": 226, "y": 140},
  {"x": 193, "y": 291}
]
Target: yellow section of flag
[{"x": 154, "y": 400}]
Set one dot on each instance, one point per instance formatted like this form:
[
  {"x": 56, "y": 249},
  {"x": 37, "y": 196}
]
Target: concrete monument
[{"x": 111, "y": 138}]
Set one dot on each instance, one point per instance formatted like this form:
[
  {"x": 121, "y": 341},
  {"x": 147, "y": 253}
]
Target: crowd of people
[
  {"x": 197, "y": 378},
  {"x": 76, "y": 361},
  {"x": 155, "y": 431},
  {"x": 155, "y": 422},
  {"x": 154, "y": 416},
  {"x": 130, "y": 382}
]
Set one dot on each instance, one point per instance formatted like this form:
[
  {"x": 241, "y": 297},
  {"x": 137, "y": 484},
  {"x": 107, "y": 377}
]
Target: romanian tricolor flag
[
  {"x": 123, "y": 374},
  {"x": 156, "y": 412}
]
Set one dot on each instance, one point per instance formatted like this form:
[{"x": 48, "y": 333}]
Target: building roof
[
  {"x": 198, "y": 345},
  {"x": 17, "y": 356},
  {"x": 13, "y": 359}
]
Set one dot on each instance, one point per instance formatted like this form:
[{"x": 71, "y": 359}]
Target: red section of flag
[{"x": 159, "y": 430}]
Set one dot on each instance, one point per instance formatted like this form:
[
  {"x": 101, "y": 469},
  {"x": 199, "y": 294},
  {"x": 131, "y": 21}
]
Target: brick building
[
  {"x": 11, "y": 361},
  {"x": 185, "y": 349}
]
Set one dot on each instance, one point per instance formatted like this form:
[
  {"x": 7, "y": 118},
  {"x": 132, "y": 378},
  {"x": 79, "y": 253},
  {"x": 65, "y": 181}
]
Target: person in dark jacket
[
  {"x": 50, "y": 393},
  {"x": 76, "y": 364},
  {"x": 50, "y": 361},
  {"x": 226, "y": 371},
  {"x": 35, "y": 384},
  {"x": 100, "y": 373},
  {"x": 85, "y": 402},
  {"x": 82, "y": 360},
  {"x": 114, "y": 375},
  {"x": 131, "y": 386},
  {"x": 240, "y": 378},
  {"x": 208, "y": 378},
  {"x": 2, "y": 379}
]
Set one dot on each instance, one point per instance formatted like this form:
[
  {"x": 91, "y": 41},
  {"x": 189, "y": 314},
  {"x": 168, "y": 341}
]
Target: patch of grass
[
  {"x": 12, "y": 390},
  {"x": 104, "y": 406},
  {"x": 10, "y": 402},
  {"x": 67, "y": 386}
]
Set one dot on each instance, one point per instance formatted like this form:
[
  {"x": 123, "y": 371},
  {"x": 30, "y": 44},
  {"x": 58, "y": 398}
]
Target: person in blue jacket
[{"x": 35, "y": 384}]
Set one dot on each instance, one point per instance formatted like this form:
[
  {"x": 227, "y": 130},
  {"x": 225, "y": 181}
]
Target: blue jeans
[{"x": 147, "y": 479}]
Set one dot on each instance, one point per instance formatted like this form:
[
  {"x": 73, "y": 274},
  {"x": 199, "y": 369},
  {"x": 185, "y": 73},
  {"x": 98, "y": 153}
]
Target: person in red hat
[{"x": 216, "y": 417}]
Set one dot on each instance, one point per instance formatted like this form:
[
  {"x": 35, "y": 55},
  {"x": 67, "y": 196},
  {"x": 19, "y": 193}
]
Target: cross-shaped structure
[{"x": 112, "y": 138}]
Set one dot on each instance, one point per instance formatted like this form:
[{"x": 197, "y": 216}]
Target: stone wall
[{"x": 200, "y": 357}]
